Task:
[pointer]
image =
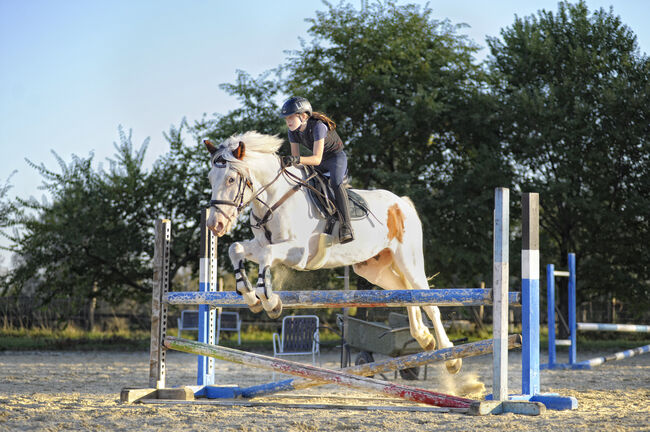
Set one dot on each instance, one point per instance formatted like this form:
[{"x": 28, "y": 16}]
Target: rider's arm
[
  {"x": 295, "y": 149},
  {"x": 316, "y": 158}
]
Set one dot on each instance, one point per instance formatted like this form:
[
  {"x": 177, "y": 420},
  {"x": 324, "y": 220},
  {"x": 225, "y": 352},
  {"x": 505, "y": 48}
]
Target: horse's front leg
[
  {"x": 288, "y": 253},
  {"x": 238, "y": 252}
]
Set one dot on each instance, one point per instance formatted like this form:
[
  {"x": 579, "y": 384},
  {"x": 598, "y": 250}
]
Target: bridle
[
  {"x": 239, "y": 203},
  {"x": 246, "y": 182}
]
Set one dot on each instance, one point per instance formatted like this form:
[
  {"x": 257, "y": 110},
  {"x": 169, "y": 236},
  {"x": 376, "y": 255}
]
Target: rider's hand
[{"x": 290, "y": 160}]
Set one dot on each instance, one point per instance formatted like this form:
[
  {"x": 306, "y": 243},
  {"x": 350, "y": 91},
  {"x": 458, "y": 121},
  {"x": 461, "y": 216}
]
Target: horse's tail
[{"x": 408, "y": 200}]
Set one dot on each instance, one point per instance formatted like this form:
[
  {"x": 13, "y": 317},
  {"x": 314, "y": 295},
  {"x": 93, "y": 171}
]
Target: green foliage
[
  {"x": 573, "y": 95},
  {"x": 406, "y": 95},
  {"x": 89, "y": 235},
  {"x": 6, "y": 207}
]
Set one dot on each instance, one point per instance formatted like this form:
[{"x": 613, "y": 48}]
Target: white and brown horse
[{"x": 387, "y": 250}]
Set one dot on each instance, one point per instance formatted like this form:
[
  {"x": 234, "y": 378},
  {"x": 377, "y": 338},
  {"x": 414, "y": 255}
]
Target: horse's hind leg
[
  {"x": 416, "y": 277},
  {"x": 379, "y": 270},
  {"x": 453, "y": 366}
]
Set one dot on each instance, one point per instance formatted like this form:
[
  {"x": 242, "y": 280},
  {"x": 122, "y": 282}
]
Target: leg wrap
[
  {"x": 264, "y": 290},
  {"x": 244, "y": 287}
]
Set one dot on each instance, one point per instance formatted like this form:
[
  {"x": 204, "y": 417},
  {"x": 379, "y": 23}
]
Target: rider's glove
[{"x": 290, "y": 160}]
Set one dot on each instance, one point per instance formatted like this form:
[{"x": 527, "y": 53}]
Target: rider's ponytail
[{"x": 322, "y": 117}]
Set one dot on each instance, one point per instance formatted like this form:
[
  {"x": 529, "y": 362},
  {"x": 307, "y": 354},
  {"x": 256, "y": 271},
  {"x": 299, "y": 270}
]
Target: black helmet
[{"x": 296, "y": 105}]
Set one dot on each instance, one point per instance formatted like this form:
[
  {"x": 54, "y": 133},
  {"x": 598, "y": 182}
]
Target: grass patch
[
  {"x": 71, "y": 339},
  {"x": 258, "y": 339},
  {"x": 74, "y": 339}
]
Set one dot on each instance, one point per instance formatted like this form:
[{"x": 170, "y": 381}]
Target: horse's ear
[
  {"x": 211, "y": 148},
  {"x": 240, "y": 151}
]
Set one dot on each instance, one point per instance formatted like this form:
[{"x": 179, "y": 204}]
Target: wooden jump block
[{"x": 131, "y": 395}]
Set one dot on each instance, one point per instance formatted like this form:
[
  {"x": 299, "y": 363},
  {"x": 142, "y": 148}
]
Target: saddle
[{"x": 326, "y": 207}]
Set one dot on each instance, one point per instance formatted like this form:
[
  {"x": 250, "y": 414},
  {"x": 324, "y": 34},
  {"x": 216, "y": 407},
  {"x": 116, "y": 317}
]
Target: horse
[{"x": 245, "y": 169}]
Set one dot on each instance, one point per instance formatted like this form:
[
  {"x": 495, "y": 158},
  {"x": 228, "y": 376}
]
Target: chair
[
  {"x": 299, "y": 337},
  {"x": 229, "y": 321},
  {"x": 189, "y": 320}
]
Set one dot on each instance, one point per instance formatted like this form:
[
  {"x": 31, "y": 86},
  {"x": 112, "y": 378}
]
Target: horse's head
[
  {"x": 230, "y": 182},
  {"x": 234, "y": 166}
]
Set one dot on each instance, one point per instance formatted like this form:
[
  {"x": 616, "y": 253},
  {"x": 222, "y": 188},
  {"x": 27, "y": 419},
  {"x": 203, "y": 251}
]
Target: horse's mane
[{"x": 257, "y": 148}]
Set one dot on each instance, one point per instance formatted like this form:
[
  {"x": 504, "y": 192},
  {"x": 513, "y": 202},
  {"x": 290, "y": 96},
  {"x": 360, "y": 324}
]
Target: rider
[{"x": 317, "y": 132}]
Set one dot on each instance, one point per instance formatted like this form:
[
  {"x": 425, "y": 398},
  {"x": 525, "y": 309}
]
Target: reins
[
  {"x": 260, "y": 223},
  {"x": 299, "y": 183}
]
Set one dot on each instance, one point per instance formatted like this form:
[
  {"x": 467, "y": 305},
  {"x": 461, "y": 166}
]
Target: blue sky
[{"x": 72, "y": 71}]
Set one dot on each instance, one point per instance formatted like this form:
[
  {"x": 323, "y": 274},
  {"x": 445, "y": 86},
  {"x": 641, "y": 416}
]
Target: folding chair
[
  {"x": 229, "y": 321},
  {"x": 189, "y": 320},
  {"x": 299, "y": 337}
]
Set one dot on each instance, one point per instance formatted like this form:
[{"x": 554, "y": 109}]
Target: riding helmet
[{"x": 296, "y": 105}]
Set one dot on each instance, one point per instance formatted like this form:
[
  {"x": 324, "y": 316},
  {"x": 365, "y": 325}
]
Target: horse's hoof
[
  {"x": 431, "y": 345},
  {"x": 453, "y": 366},
  {"x": 276, "y": 311},
  {"x": 257, "y": 307}
]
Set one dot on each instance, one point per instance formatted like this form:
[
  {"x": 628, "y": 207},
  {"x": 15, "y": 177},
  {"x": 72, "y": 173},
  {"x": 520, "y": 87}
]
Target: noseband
[{"x": 238, "y": 202}]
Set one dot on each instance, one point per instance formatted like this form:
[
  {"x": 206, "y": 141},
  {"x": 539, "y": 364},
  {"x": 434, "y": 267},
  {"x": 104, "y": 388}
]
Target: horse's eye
[{"x": 231, "y": 180}]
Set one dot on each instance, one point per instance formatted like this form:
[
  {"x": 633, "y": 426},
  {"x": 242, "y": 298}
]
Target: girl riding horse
[{"x": 318, "y": 133}]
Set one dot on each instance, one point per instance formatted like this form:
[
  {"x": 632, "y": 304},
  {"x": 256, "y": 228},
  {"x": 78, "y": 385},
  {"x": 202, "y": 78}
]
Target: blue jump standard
[{"x": 332, "y": 299}]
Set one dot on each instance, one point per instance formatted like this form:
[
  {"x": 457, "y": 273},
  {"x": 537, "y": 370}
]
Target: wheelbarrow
[{"x": 393, "y": 339}]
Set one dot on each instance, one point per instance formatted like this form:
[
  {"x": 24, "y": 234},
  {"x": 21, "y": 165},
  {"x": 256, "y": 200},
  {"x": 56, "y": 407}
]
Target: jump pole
[
  {"x": 316, "y": 373},
  {"x": 627, "y": 328},
  {"x": 341, "y": 299},
  {"x": 588, "y": 364},
  {"x": 367, "y": 369}
]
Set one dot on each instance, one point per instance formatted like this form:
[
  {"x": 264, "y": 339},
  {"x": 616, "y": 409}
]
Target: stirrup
[{"x": 345, "y": 234}]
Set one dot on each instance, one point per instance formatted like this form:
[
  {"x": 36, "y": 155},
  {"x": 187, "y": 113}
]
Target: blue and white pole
[
  {"x": 530, "y": 293},
  {"x": 207, "y": 314}
]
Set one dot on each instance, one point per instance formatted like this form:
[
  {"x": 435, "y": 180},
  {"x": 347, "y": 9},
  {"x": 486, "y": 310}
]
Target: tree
[
  {"x": 573, "y": 94},
  {"x": 407, "y": 96},
  {"x": 93, "y": 239}
]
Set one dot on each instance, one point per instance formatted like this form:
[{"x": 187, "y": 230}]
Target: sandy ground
[{"x": 52, "y": 391}]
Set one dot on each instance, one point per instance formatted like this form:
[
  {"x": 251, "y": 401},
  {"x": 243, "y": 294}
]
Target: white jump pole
[{"x": 500, "y": 292}]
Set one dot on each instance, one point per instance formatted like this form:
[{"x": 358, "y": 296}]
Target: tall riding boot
[{"x": 345, "y": 230}]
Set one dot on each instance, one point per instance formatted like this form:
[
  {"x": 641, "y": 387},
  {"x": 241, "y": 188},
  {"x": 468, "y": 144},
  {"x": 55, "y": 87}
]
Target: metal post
[
  {"x": 158, "y": 306},
  {"x": 573, "y": 328},
  {"x": 500, "y": 294},
  {"x": 550, "y": 311},
  {"x": 530, "y": 293},
  {"x": 345, "y": 350},
  {"x": 207, "y": 314}
]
